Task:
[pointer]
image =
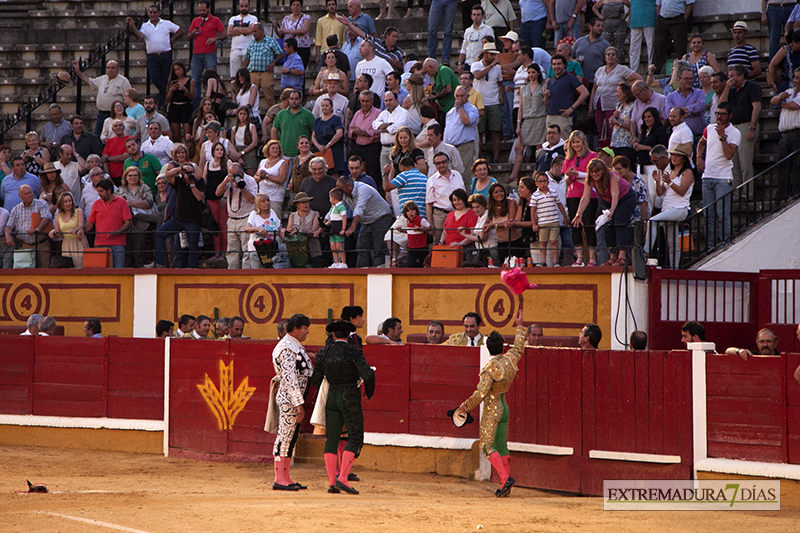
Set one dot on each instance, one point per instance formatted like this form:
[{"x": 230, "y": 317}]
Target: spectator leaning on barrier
[
  {"x": 112, "y": 218},
  {"x": 21, "y": 225},
  {"x": 471, "y": 336},
  {"x": 391, "y": 333},
  {"x": 237, "y": 328},
  {"x": 533, "y": 336},
  {"x": 374, "y": 215},
  {"x": 435, "y": 333},
  {"x": 201, "y": 328},
  {"x": 33, "y": 325},
  {"x": 766, "y": 342},
  {"x": 164, "y": 329}
]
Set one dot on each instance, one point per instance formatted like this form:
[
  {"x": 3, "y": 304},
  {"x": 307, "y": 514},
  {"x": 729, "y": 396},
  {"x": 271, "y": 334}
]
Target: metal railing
[{"x": 709, "y": 229}]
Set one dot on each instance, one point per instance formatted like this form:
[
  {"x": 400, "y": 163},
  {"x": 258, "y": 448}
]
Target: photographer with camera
[
  {"x": 190, "y": 188},
  {"x": 238, "y": 191}
]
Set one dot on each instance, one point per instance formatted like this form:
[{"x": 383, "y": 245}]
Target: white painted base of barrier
[
  {"x": 406, "y": 440},
  {"x": 636, "y": 457},
  {"x": 81, "y": 423},
  {"x": 539, "y": 448},
  {"x": 749, "y": 468}
]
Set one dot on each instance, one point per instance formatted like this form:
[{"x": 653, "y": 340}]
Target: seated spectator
[
  {"x": 533, "y": 337},
  {"x": 306, "y": 221},
  {"x": 435, "y": 333},
  {"x": 185, "y": 325},
  {"x": 484, "y": 236},
  {"x": 112, "y": 217},
  {"x": 460, "y": 219},
  {"x": 391, "y": 333},
  {"x": 766, "y": 343},
  {"x": 47, "y": 326},
  {"x": 92, "y": 328},
  {"x": 33, "y": 325},
  {"x": 481, "y": 180},
  {"x": 149, "y": 165},
  {"x": 262, "y": 223},
  {"x": 471, "y": 336},
  {"x": 693, "y": 331},
  {"x": 590, "y": 337},
  {"x": 20, "y": 224},
  {"x": 638, "y": 340},
  {"x": 164, "y": 329},
  {"x": 329, "y": 71},
  {"x": 201, "y": 328}
]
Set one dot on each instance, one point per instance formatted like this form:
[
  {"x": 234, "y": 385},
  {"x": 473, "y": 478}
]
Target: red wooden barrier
[
  {"x": 792, "y": 361},
  {"x": 388, "y": 411},
  {"x": 441, "y": 378},
  {"x": 747, "y": 408},
  {"x": 16, "y": 375},
  {"x": 135, "y": 378},
  {"x": 70, "y": 377}
]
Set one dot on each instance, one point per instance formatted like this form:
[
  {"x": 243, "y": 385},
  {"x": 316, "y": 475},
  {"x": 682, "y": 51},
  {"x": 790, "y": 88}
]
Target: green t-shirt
[
  {"x": 446, "y": 76},
  {"x": 149, "y": 166},
  {"x": 291, "y": 127}
]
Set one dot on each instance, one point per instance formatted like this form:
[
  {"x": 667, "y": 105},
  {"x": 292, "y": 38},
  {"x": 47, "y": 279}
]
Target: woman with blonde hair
[
  {"x": 262, "y": 222},
  {"x": 417, "y": 97},
  {"x": 36, "y": 155},
  {"x": 576, "y": 159},
  {"x": 616, "y": 196},
  {"x": 68, "y": 225},
  {"x": 271, "y": 176},
  {"x": 138, "y": 196}
]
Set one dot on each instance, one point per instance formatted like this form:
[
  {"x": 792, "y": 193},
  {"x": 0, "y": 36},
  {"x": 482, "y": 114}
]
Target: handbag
[
  {"x": 567, "y": 39},
  {"x": 297, "y": 247},
  {"x": 150, "y": 215},
  {"x": 327, "y": 155},
  {"x": 24, "y": 258}
]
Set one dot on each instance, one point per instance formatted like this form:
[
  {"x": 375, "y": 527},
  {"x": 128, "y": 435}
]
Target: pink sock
[
  {"x": 498, "y": 465},
  {"x": 348, "y": 458},
  {"x": 339, "y": 452},
  {"x": 507, "y": 463},
  {"x": 330, "y": 467},
  {"x": 287, "y": 462},
  {"x": 280, "y": 475}
]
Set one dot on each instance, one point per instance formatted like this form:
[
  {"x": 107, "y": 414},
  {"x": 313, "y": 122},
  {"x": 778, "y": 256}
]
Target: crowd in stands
[{"x": 379, "y": 158}]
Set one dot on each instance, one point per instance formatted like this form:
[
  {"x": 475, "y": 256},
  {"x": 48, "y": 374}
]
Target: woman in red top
[
  {"x": 618, "y": 197},
  {"x": 460, "y": 217},
  {"x": 577, "y": 156}
]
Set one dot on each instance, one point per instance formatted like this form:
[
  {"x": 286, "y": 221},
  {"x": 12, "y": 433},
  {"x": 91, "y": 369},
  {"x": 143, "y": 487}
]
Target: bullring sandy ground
[{"x": 110, "y": 491}]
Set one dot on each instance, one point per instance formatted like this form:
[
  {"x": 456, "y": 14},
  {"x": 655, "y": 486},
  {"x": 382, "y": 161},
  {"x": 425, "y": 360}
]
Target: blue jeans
[
  {"x": 371, "y": 246},
  {"x": 776, "y": 22},
  {"x": 561, "y": 31},
  {"x": 98, "y": 125},
  {"x": 118, "y": 255},
  {"x": 618, "y": 229},
  {"x": 158, "y": 67},
  {"x": 182, "y": 258},
  {"x": 201, "y": 62},
  {"x": 444, "y": 11},
  {"x": 713, "y": 190},
  {"x": 532, "y": 32}
]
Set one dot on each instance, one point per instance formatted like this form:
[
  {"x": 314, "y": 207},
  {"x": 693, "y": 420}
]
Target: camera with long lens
[
  {"x": 238, "y": 179},
  {"x": 189, "y": 176}
]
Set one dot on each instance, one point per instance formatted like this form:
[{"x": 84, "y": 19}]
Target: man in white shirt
[
  {"x": 489, "y": 82},
  {"x": 33, "y": 325},
  {"x": 159, "y": 36},
  {"x": 340, "y": 103},
  {"x": 240, "y": 28},
  {"x": 388, "y": 122},
  {"x": 471, "y": 44},
  {"x": 157, "y": 144},
  {"x": 110, "y": 87},
  {"x": 71, "y": 170},
  {"x": 89, "y": 195},
  {"x": 681, "y": 132},
  {"x": 437, "y": 193},
  {"x": 715, "y": 152},
  {"x": 375, "y": 66}
]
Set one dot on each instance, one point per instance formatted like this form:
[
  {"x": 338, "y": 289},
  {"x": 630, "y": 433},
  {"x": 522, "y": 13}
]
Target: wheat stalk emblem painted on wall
[{"x": 224, "y": 402}]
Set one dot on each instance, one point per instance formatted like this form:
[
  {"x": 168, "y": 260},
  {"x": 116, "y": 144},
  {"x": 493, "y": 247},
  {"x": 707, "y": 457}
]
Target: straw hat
[
  {"x": 301, "y": 197},
  {"x": 62, "y": 77},
  {"x": 684, "y": 149},
  {"x": 490, "y": 48},
  {"x": 511, "y": 36},
  {"x": 50, "y": 167},
  {"x": 740, "y": 25}
]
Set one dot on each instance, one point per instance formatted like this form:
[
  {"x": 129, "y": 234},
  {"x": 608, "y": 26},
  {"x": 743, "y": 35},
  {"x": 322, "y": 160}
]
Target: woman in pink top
[
  {"x": 578, "y": 155},
  {"x": 618, "y": 197}
]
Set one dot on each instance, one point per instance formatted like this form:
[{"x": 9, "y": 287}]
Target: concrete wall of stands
[
  {"x": 129, "y": 302},
  {"x": 577, "y": 417}
]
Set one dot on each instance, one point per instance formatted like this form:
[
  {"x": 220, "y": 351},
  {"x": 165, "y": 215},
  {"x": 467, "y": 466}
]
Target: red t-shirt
[
  {"x": 451, "y": 225},
  {"x": 417, "y": 239},
  {"x": 109, "y": 217},
  {"x": 208, "y": 29},
  {"x": 116, "y": 146}
]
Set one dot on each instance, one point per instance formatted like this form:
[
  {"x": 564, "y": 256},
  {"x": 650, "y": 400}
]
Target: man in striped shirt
[{"x": 411, "y": 184}]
